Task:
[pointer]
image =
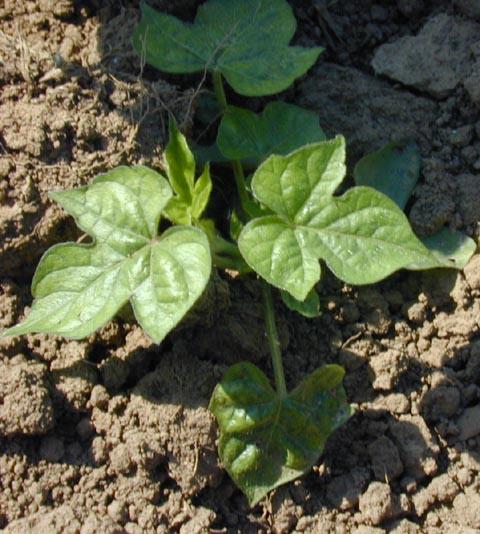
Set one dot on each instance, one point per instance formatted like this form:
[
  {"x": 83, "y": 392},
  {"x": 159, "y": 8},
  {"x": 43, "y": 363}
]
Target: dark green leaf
[
  {"x": 449, "y": 248},
  {"x": 363, "y": 236},
  {"x": 245, "y": 40},
  {"x": 78, "y": 288},
  {"x": 209, "y": 154},
  {"x": 265, "y": 440},
  {"x": 394, "y": 170},
  {"x": 280, "y": 129},
  {"x": 310, "y": 307}
]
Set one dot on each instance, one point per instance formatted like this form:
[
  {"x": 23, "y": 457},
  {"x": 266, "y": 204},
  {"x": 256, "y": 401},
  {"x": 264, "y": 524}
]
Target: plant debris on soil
[{"x": 112, "y": 434}]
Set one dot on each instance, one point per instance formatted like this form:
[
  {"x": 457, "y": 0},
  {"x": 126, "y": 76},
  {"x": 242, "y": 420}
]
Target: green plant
[{"x": 288, "y": 218}]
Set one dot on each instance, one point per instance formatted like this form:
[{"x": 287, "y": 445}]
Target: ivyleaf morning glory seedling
[{"x": 287, "y": 220}]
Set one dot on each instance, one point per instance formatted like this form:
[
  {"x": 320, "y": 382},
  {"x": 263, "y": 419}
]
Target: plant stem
[
  {"x": 241, "y": 186},
  {"x": 236, "y": 165},
  {"x": 226, "y": 255},
  {"x": 219, "y": 91},
  {"x": 273, "y": 341}
]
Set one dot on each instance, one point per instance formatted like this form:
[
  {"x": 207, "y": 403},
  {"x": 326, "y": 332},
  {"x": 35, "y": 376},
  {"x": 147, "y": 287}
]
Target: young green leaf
[
  {"x": 201, "y": 193},
  {"x": 180, "y": 163},
  {"x": 363, "y": 236},
  {"x": 78, "y": 288},
  {"x": 394, "y": 170},
  {"x": 245, "y": 40},
  {"x": 267, "y": 440},
  {"x": 192, "y": 196},
  {"x": 310, "y": 307},
  {"x": 280, "y": 129}
]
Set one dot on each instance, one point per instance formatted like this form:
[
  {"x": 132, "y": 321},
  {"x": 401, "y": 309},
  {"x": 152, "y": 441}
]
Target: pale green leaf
[
  {"x": 78, "y": 288},
  {"x": 280, "y": 129},
  {"x": 201, "y": 193},
  {"x": 178, "y": 211},
  {"x": 362, "y": 236},
  {"x": 180, "y": 163},
  {"x": 247, "y": 41},
  {"x": 120, "y": 208},
  {"x": 179, "y": 270},
  {"x": 192, "y": 195},
  {"x": 266, "y": 440}
]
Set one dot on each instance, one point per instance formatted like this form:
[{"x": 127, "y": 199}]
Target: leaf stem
[
  {"x": 220, "y": 91},
  {"x": 273, "y": 341},
  {"x": 236, "y": 165}
]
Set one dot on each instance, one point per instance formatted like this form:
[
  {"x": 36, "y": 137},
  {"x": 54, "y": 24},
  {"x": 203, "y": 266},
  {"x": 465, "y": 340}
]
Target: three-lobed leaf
[
  {"x": 247, "y": 41},
  {"x": 362, "y": 236},
  {"x": 279, "y": 129},
  {"x": 78, "y": 288},
  {"x": 267, "y": 440}
]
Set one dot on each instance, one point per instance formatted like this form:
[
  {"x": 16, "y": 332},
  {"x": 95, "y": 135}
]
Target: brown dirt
[{"x": 111, "y": 434}]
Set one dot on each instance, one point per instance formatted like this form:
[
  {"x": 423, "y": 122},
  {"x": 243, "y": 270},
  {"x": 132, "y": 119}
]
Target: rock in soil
[
  {"x": 26, "y": 407},
  {"x": 470, "y": 8},
  {"x": 378, "y": 503},
  {"x": 417, "y": 446},
  {"x": 334, "y": 92},
  {"x": 435, "y": 61},
  {"x": 469, "y": 423},
  {"x": 385, "y": 459},
  {"x": 467, "y": 508}
]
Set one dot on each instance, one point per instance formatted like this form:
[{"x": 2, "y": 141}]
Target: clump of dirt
[{"x": 112, "y": 433}]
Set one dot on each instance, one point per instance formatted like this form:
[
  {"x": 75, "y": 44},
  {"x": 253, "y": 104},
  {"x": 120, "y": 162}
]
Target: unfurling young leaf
[
  {"x": 280, "y": 129},
  {"x": 247, "y": 41},
  {"x": 362, "y": 236},
  {"x": 267, "y": 440},
  {"x": 78, "y": 288},
  {"x": 192, "y": 196}
]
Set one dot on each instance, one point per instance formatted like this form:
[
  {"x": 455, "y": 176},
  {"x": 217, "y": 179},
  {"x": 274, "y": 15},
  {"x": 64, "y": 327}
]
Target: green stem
[
  {"x": 273, "y": 341},
  {"x": 222, "y": 246},
  {"x": 220, "y": 91},
  {"x": 236, "y": 165}
]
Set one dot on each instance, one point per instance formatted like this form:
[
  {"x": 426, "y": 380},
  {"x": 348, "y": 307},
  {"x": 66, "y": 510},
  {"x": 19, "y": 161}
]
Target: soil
[{"x": 112, "y": 434}]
